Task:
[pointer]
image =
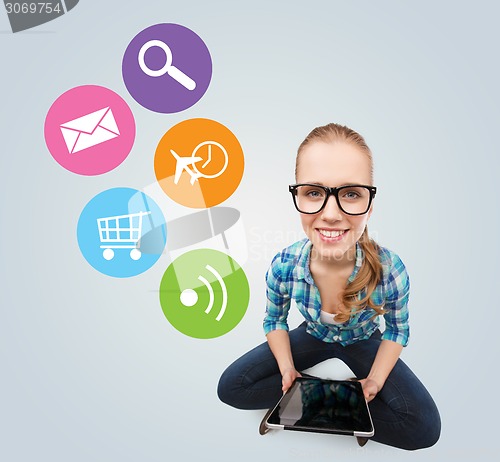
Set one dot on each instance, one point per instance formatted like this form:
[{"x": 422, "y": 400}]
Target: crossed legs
[{"x": 404, "y": 414}]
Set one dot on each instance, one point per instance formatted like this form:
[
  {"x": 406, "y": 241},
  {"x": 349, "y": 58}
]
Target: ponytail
[{"x": 366, "y": 280}]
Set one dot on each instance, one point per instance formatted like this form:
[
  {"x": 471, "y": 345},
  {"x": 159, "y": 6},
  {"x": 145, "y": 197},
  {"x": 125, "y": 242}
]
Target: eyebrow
[{"x": 319, "y": 183}]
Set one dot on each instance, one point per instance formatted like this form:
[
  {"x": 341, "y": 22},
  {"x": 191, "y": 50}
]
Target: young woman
[{"x": 341, "y": 281}]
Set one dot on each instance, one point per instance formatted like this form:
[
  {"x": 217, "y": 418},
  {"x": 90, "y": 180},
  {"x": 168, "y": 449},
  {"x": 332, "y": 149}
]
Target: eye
[
  {"x": 352, "y": 194},
  {"x": 314, "y": 193},
  {"x": 310, "y": 192}
]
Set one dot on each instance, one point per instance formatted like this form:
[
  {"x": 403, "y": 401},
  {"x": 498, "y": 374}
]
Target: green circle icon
[{"x": 204, "y": 293}]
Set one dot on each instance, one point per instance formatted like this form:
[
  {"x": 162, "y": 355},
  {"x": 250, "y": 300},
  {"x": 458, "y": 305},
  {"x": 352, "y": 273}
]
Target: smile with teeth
[{"x": 327, "y": 233}]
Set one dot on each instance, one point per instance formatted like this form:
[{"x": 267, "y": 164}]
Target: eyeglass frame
[{"x": 292, "y": 188}]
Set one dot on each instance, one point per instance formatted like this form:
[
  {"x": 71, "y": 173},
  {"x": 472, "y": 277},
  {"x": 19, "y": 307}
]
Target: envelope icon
[{"x": 89, "y": 130}]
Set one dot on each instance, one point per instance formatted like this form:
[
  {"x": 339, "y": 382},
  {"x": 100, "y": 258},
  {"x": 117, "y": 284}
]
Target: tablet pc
[{"x": 323, "y": 406}]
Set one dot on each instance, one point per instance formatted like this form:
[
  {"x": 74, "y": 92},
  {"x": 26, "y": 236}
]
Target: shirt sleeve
[
  {"x": 397, "y": 328},
  {"x": 278, "y": 299}
]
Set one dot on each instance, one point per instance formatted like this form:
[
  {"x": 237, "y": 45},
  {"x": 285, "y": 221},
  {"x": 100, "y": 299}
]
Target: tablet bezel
[{"x": 293, "y": 388}]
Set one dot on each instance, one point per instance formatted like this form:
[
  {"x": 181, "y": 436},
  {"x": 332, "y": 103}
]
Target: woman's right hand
[{"x": 288, "y": 377}]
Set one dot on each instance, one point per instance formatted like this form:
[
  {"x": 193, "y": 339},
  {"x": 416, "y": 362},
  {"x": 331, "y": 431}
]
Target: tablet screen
[{"x": 331, "y": 406}]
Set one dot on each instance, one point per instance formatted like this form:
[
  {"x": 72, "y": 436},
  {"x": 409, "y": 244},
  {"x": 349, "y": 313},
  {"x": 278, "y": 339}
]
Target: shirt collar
[{"x": 302, "y": 270}]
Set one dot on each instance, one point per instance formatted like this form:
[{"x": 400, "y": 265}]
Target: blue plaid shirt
[{"x": 289, "y": 278}]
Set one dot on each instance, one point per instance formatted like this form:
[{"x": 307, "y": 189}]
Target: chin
[{"x": 331, "y": 251}]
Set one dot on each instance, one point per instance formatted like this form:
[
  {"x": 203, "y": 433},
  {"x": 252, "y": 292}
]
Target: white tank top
[{"x": 328, "y": 318}]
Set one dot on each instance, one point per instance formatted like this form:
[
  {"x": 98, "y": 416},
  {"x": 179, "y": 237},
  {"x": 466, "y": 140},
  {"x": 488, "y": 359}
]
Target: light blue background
[{"x": 92, "y": 370}]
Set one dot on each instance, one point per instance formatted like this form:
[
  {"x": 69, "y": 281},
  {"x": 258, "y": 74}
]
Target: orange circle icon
[{"x": 199, "y": 163}]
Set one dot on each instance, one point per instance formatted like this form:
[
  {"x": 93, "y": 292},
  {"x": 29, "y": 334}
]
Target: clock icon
[
  {"x": 199, "y": 172},
  {"x": 214, "y": 159}
]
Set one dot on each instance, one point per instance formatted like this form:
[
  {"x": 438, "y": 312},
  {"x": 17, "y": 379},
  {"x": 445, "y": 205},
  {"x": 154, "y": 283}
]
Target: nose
[{"x": 331, "y": 210}]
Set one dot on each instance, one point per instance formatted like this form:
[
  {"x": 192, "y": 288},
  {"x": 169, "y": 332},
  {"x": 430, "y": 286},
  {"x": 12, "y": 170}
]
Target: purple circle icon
[{"x": 167, "y": 68}]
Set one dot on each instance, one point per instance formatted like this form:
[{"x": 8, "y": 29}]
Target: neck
[{"x": 346, "y": 263}]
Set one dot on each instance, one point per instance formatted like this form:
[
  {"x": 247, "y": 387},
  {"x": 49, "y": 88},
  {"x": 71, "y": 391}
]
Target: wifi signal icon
[
  {"x": 204, "y": 293},
  {"x": 189, "y": 297}
]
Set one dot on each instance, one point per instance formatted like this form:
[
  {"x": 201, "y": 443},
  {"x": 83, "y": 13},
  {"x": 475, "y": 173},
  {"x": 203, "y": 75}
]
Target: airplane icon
[{"x": 182, "y": 163}]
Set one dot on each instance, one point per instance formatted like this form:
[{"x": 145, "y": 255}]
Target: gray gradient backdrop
[{"x": 91, "y": 369}]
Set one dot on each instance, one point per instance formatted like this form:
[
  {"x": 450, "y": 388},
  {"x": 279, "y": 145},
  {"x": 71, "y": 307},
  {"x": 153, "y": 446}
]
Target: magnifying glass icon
[{"x": 172, "y": 71}]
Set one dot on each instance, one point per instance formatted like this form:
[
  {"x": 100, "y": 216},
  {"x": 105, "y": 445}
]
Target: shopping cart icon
[{"x": 121, "y": 232}]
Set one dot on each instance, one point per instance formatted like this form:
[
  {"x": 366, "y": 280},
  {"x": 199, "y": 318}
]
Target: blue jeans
[{"x": 403, "y": 412}]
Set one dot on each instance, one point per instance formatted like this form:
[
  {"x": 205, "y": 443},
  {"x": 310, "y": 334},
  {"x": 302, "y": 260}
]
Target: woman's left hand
[{"x": 370, "y": 388}]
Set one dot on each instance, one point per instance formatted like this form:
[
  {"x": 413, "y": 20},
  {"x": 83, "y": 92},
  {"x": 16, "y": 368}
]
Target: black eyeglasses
[{"x": 352, "y": 199}]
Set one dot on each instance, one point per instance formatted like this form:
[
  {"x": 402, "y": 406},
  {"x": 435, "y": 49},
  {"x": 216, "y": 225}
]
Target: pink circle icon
[{"x": 89, "y": 130}]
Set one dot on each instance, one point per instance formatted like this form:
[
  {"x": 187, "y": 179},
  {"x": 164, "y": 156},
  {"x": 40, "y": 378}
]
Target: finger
[
  {"x": 369, "y": 394},
  {"x": 371, "y": 397}
]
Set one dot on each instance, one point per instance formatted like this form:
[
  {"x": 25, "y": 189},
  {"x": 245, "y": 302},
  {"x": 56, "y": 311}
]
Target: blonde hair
[{"x": 370, "y": 273}]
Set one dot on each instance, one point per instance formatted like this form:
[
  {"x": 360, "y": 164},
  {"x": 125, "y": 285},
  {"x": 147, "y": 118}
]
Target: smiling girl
[{"x": 341, "y": 281}]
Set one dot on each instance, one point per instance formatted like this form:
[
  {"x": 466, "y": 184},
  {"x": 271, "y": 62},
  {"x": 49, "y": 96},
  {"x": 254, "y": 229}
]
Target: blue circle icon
[{"x": 121, "y": 232}]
